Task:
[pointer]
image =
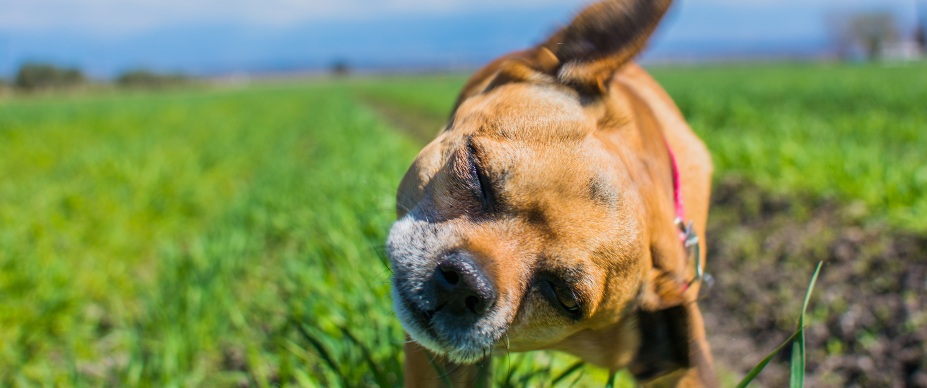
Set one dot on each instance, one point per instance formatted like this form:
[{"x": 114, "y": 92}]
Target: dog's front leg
[{"x": 424, "y": 369}]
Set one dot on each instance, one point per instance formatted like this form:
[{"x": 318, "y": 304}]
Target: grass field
[{"x": 218, "y": 237}]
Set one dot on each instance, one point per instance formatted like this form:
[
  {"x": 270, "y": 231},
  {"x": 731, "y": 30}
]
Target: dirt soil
[{"x": 868, "y": 314}]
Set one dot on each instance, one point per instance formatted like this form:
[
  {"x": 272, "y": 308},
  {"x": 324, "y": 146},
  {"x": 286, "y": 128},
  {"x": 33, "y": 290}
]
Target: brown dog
[{"x": 542, "y": 217}]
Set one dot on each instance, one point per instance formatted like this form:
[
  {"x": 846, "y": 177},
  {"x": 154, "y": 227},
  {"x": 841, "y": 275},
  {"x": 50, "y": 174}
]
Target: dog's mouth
[{"x": 441, "y": 333}]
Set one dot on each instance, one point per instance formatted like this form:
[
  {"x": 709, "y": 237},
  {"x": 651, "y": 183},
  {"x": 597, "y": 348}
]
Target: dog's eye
[
  {"x": 482, "y": 181},
  {"x": 562, "y": 296}
]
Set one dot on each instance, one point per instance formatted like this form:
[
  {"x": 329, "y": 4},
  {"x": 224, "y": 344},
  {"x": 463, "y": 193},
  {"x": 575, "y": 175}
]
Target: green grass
[
  {"x": 154, "y": 238},
  {"x": 209, "y": 237}
]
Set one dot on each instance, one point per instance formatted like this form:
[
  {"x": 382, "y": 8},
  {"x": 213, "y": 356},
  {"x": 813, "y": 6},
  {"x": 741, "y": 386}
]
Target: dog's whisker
[
  {"x": 380, "y": 250},
  {"x": 451, "y": 371},
  {"x": 442, "y": 372},
  {"x": 403, "y": 207}
]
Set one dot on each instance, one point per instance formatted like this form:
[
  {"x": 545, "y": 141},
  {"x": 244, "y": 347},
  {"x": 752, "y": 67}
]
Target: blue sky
[{"x": 105, "y": 37}]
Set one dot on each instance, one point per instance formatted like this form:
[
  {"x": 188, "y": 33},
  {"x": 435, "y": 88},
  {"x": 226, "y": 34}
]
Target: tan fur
[{"x": 554, "y": 145}]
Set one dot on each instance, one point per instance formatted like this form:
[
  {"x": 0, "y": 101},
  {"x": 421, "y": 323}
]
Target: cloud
[{"x": 115, "y": 16}]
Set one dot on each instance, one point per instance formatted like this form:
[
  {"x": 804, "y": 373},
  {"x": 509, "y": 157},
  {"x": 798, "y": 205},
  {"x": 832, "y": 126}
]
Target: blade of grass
[
  {"x": 368, "y": 356},
  {"x": 566, "y": 373},
  {"x": 759, "y": 367},
  {"x": 578, "y": 377},
  {"x": 798, "y": 344},
  {"x": 318, "y": 346},
  {"x": 611, "y": 380},
  {"x": 798, "y": 371},
  {"x": 798, "y": 361},
  {"x": 814, "y": 280},
  {"x": 526, "y": 379}
]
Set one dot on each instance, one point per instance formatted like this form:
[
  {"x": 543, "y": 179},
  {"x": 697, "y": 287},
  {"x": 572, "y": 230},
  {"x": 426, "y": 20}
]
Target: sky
[{"x": 209, "y": 37}]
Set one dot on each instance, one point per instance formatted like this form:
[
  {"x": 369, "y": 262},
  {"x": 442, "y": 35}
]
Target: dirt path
[
  {"x": 418, "y": 125},
  {"x": 868, "y": 315}
]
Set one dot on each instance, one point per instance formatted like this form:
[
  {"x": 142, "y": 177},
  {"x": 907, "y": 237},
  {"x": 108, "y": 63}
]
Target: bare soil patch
[{"x": 868, "y": 315}]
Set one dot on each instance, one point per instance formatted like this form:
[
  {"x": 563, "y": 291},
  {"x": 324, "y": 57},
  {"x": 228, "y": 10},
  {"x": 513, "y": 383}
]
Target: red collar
[
  {"x": 687, "y": 234},
  {"x": 677, "y": 186}
]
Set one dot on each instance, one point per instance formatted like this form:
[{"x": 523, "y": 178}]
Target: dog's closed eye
[{"x": 482, "y": 183}]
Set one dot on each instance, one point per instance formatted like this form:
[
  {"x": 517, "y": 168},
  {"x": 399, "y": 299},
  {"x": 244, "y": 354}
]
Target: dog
[{"x": 558, "y": 209}]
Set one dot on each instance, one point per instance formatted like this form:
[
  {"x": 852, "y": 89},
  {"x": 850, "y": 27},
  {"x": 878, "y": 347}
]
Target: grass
[
  {"x": 210, "y": 237},
  {"x": 169, "y": 238}
]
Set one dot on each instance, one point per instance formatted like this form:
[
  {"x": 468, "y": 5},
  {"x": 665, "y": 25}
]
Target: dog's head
[{"x": 527, "y": 223}]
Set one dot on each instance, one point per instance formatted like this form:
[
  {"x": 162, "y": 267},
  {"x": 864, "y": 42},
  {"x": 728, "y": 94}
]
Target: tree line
[{"x": 36, "y": 76}]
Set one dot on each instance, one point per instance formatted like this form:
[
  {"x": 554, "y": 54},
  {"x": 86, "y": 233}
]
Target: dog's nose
[{"x": 462, "y": 288}]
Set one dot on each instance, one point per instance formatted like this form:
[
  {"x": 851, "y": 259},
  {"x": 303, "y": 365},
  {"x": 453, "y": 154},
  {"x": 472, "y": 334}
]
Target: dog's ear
[
  {"x": 582, "y": 55},
  {"x": 601, "y": 39}
]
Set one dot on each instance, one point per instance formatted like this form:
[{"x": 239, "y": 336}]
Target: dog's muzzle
[{"x": 452, "y": 313}]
